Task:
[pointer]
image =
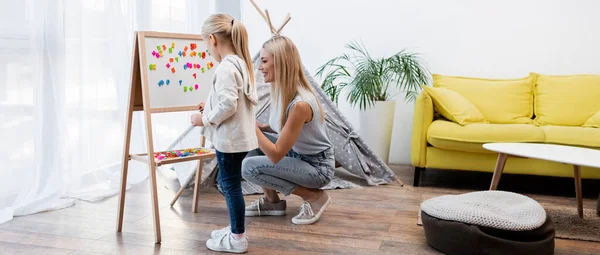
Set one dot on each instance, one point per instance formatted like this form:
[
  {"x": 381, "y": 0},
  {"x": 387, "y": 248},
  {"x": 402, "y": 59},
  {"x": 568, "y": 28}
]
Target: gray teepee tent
[{"x": 351, "y": 152}]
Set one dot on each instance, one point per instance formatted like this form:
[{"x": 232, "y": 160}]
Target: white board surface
[{"x": 180, "y": 71}]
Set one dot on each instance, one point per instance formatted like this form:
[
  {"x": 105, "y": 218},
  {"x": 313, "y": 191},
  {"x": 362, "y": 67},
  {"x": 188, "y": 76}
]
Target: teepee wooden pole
[
  {"x": 287, "y": 19},
  {"x": 269, "y": 21},
  {"x": 258, "y": 9}
]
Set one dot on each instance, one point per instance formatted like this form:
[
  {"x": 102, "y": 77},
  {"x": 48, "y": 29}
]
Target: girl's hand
[
  {"x": 196, "y": 120},
  {"x": 201, "y": 106}
]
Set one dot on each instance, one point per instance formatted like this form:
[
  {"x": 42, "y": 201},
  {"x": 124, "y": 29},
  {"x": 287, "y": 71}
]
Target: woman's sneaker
[
  {"x": 262, "y": 207},
  {"x": 228, "y": 243},
  {"x": 307, "y": 215}
]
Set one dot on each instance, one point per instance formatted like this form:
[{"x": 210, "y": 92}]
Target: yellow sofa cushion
[
  {"x": 593, "y": 121},
  {"x": 557, "y": 96},
  {"x": 576, "y": 136},
  {"x": 454, "y": 107},
  {"x": 508, "y": 101},
  {"x": 470, "y": 138}
]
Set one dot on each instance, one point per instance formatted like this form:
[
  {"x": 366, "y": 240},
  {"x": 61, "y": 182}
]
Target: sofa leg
[{"x": 417, "y": 176}]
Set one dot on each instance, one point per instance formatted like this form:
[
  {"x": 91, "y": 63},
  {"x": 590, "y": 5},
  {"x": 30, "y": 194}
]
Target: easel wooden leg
[
  {"x": 124, "y": 168},
  {"x": 197, "y": 187},
  {"x": 126, "y": 144},
  {"x": 181, "y": 190},
  {"x": 153, "y": 185}
]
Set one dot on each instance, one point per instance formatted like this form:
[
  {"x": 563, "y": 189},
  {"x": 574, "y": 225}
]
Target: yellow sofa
[{"x": 457, "y": 115}]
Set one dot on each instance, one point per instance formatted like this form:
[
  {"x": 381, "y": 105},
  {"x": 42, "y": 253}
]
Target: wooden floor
[{"x": 370, "y": 220}]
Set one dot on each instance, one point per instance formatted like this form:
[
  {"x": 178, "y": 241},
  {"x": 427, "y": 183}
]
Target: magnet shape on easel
[
  {"x": 193, "y": 46},
  {"x": 185, "y": 48},
  {"x": 173, "y": 70},
  {"x": 196, "y": 86},
  {"x": 171, "y": 60},
  {"x": 180, "y": 53},
  {"x": 173, "y": 45},
  {"x": 168, "y": 82},
  {"x": 184, "y": 54},
  {"x": 170, "y": 50},
  {"x": 168, "y": 65},
  {"x": 184, "y": 67},
  {"x": 176, "y": 59},
  {"x": 160, "y": 83},
  {"x": 180, "y": 81},
  {"x": 189, "y": 65},
  {"x": 203, "y": 54},
  {"x": 202, "y": 69},
  {"x": 194, "y": 75},
  {"x": 184, "y": 88},
  {"x": 158, "y": 47}
]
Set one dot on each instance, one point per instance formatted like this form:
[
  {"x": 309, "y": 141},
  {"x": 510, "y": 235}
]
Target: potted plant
[{"x": 366, "y": 81}]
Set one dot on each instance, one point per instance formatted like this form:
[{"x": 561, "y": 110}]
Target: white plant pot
[{"x": 375, "y": 127}]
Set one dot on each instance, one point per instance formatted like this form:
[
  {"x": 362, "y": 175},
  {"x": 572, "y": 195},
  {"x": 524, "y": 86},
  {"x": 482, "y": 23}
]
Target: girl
[
  {"x": 229, "y": 120},
  {"x": 301, "y": 161}
]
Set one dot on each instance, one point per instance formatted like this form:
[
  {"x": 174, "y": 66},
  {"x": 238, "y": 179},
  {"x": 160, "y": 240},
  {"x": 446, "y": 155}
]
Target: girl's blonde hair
[
  {"x": 289, "y": 75},
  {"x": 228, "y": 30}
]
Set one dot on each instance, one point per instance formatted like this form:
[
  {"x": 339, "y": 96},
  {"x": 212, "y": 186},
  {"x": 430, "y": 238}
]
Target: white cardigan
[{"x": 229, "y": 115}]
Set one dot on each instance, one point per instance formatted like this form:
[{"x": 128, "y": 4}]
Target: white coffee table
[{"x": 571, "y": 155}]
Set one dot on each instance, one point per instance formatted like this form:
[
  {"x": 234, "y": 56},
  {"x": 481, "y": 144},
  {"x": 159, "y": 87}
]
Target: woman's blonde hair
[
  {"x": 288, "y": 74},
  {"x": 228, "y": 30}
]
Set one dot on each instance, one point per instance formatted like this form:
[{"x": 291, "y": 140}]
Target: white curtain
[{"x": 64, "y": 83}]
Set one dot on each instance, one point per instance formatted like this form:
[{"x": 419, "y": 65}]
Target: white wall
[{"x": 507, "y": 38}]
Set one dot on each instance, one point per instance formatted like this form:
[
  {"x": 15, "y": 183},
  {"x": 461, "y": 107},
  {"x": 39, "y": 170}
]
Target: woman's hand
[
  {"x": 201, "y": 106},
  {"x": 299, "y": 114},
  {"x": 261, "y": 126},
  {"x": 196, "y": 120}
]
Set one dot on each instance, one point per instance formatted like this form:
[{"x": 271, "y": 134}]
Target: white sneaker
[
  {"x": 220, "y": 232},
  {"x": 307, "y": 216},
  {"x": 227, "y": 243}
]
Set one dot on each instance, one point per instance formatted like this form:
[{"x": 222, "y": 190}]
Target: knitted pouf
[{"x": 487, "y": 222}]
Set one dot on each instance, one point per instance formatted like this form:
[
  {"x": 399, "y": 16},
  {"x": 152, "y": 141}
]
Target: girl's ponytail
[{"x": 239, "y": 38}]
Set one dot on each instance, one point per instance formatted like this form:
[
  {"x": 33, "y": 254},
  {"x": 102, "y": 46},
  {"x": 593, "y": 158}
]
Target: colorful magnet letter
[
  {"x": 196, "y": 86},
  {"x": 193, "y": 46},
  {"x": 173, "y": 70},
  {"x": 184, "y": 53},
  {"x": 180, "y": 53},
  {"x": 177, "y": 59},
  {"x": 168, "y": 82},
  {"x": 185, "y": 48},
  {"x": 171, "y": 60},
  {"x": 189, "y": 65},
  {"x": 170, "y": 50},
  {"x": 184, "y": 67},
  {"x": 173, "y": 45},
  {"x": 180, "y": 81},
  {"x": 168, "y": 65},
  {"x": 152, "y": 66},
  {"x": 184, "y": 88},
  {"x": 194, "y": 75},
  {"x": 158, "y": 47},
  {"x": 161, "y": 82},
  {"x": 203, "y": 54},
  {"x": 202, "y": 69}
]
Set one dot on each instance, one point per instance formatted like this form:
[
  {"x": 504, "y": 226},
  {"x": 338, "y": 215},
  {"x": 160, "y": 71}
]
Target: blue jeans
[
  {"x": 309, "y": 171},
  {"x": 230, "y": 181}
]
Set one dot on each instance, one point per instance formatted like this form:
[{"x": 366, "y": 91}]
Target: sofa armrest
[{"x": 422, "y": 119}]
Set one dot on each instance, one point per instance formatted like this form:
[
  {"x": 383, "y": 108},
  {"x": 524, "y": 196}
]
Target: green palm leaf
[{"x": 367, "y": 79}]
